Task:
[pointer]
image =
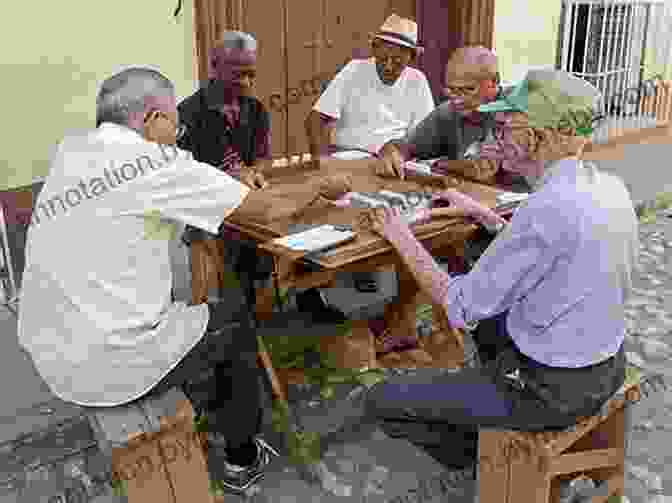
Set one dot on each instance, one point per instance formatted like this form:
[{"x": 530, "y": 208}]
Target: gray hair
[
  {"x": 127, "y": 92},
  {"x": 237, "y": 40}
]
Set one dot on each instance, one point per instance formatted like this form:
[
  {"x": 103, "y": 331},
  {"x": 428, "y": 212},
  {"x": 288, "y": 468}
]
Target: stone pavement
[{"x": 365, "y": 460}]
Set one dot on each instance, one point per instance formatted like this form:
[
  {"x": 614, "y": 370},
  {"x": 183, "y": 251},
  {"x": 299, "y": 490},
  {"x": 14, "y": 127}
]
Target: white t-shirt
[
  {"x": 96, "y": 314},
  {"x": 370, "y": 113}
]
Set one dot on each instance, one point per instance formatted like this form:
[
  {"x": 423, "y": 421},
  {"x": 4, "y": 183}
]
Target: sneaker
[{"x": 238, "y": 478}]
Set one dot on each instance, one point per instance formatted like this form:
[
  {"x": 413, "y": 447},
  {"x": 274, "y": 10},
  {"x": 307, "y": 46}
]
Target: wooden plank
[
  {"x": 527, "y": 483},
  {"x": 278, "y": 389},
  {"x": 586, "y": 460},
  {"x": 493, "y": 471}
]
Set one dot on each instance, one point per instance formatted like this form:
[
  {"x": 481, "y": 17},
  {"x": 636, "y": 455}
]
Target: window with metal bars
[{"x": 606, "y": 42}]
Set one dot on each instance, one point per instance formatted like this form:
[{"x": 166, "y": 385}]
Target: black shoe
[
  {"x": 238, "y": 478},
  {"x": 311, "y": 302}
]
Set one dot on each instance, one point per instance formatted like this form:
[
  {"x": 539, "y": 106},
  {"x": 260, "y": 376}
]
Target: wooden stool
[
  {"x": 152, "y": 443},
  {"x": 525, "y": 467}
]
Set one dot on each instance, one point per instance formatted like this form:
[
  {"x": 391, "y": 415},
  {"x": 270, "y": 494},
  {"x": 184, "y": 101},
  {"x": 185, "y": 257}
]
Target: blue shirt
[{"x": 562, "y": 268}]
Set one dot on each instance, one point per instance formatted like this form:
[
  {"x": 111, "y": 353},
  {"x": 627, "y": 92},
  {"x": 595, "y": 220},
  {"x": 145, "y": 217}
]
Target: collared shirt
[
  {"x": 96, "y": 313},
  {"x": 370, "y": 113},
  {"x": 562, "y": 268},
  {"x": 212, "y": 131},
  {"x": 443, "y": 133},
  {"x": 448, "y": 134}
]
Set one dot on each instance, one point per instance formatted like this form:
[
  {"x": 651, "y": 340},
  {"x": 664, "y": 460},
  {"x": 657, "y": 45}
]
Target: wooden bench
[
  {"x": 526, "y": 467},
  {"x": 130, "y": 436}
]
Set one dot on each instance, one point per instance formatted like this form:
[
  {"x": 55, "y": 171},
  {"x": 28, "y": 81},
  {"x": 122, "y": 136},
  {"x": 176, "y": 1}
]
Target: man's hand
[
  {"x": 391, "y": 162},
  {"x": 456, "y": 103},
  {"x": 382, "y": 221},
  {"x": 453, "y": 166},
  {"x": 334, "y": 186},
  {"x": 470, "y": 207},
  {"x": 253, "y": 178}
]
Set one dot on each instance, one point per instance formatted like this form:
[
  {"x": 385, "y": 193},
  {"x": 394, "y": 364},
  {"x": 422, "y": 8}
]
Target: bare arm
[
  {"x": 262, "y": 207},
  {"x": 318, "y": 131}
]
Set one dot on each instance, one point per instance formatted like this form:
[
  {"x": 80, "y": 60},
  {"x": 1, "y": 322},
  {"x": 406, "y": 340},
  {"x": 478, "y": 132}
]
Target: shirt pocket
[{"x": 542, "y": 312}]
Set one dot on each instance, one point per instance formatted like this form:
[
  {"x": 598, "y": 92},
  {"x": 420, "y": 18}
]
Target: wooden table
[{"x": 367, "y": 252}]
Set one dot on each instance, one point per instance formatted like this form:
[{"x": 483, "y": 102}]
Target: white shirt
[
  {"x": 370, "y": 113},
  {"x": 96, "y": 313}
]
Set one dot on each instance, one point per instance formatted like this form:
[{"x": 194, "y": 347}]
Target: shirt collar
[
  {"x": 559, "y": 169},
  {"x": 109, "y": 130},
  {"x": 212, "y": 103}
]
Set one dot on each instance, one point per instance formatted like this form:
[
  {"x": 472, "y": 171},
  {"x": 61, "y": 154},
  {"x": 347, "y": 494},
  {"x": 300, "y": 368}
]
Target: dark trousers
[
  {"x": 234, "y": 405},
  {"x": 551, "y": 397}
]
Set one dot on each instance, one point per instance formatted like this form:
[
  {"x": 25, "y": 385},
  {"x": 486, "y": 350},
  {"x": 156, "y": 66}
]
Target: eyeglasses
[
  {"x": 460, "y": 90},
  {"x": 250, "y": 74}
]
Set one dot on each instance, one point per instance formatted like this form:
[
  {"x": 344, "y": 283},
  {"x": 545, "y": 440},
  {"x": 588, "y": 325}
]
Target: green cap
[{"x": 551, "y": 99}]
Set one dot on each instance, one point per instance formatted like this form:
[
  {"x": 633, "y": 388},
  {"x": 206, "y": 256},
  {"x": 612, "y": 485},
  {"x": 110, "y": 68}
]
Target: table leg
[
  {"x": 445, "y": 346},
  {"x": 400, "y": 313},
  {"x": 199, "y": 273},
  {"x": 265, "y": 359},
  {"x": 355, "y": 351}
]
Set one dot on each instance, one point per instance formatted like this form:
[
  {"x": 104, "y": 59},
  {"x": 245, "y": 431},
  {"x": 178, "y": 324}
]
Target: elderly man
[
  {"x": 224, "y": 125},
  {"x": 372, "y": 101},
  {"x": 97, "y": 318},
  {"x": 455, "y": 126},
  {"x": 550, "y": 324}
]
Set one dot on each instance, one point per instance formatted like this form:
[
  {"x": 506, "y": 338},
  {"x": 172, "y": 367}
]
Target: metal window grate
[{"x": 617, "y": 45}]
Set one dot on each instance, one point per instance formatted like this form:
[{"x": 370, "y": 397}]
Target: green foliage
[
  {"x": 303, "y": 447},
  {"x": 288, "y": 352},
  {"x": 201, "y": 424},
  {"x": 118, "y": 488},
  {"x": 632, "y": 374},
  {"x": 423, "y": 312},
  {"x": 647, "y": 212},
  {"x": 217, "y": 488}
]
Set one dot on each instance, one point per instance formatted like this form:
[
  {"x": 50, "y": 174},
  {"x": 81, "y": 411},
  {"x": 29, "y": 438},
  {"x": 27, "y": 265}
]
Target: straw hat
[{"x": 399, "y": 31}]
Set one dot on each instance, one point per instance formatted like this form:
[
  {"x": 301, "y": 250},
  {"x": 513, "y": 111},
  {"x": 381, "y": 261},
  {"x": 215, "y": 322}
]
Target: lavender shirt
[{"x": 562, "y": 268}]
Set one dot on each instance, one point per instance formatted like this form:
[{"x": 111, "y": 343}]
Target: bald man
[{"x": 471, "y": 79}]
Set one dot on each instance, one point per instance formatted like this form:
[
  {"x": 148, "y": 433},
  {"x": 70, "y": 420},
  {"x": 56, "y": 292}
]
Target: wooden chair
[{"x": 525, "y": 467}]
